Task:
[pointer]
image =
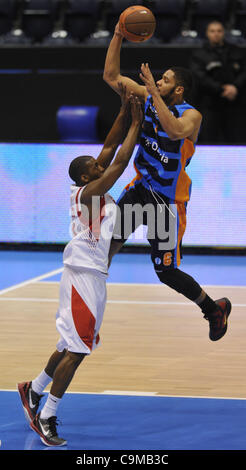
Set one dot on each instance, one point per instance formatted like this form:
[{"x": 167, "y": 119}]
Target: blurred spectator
[{"x": 220, "y": 73}]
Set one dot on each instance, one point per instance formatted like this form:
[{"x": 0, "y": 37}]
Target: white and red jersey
[{"x": 91, "y": 237}]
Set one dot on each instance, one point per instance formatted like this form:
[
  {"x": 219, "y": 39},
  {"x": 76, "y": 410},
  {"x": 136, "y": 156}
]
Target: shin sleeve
[{"x": 181, "y": 282}]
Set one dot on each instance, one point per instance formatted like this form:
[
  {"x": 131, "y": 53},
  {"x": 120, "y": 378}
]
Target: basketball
[{"x": 137, "y": 23}]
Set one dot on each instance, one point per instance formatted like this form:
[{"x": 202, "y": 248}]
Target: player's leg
[
  {"x": 53, "y": 362},
  {"x": 45, "y": 423},
  {"x": 31, "y": 392},
  {"x": 78, "y": 321},
  {"x": 215, "y": 311},
  {"x": 64, "y": 373},
  {"x": 133, "y": 194},
  {"x": 166, "y": 262}
]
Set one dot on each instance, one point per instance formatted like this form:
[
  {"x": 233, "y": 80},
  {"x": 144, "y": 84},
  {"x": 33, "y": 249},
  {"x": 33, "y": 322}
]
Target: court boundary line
[
  {"x": 154, "y": 284},
  {"x": 40, "y": 278},
  {"x": 139, "y": 394},
  {"x": 31, "y": 280},
  {"x": 119, "y": 301}
]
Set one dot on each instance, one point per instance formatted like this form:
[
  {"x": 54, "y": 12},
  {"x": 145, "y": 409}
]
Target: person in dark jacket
[{"x": 219, "y": 70}]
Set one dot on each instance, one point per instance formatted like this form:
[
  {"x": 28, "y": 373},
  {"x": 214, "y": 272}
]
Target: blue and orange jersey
[{"x": 160, "y": 161}]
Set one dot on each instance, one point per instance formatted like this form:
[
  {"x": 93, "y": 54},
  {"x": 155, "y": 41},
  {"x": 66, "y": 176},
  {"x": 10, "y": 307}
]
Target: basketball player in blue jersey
[{"x": 167, "y": 144}]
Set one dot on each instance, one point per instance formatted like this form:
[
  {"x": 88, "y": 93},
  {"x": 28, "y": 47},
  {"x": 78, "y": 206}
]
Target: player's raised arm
[
  {"x": 101, "y": 185},
  {"x": 112, "y": 74},
  {"x": 117, "y": 131}
]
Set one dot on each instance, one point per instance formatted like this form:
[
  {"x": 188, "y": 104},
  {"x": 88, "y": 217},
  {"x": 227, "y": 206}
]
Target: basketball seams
[{"x": 130, "y": 17}]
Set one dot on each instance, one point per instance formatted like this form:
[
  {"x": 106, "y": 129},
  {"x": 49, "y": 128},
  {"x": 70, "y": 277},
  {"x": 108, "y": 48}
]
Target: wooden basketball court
[{"x": 153, "y": 341}]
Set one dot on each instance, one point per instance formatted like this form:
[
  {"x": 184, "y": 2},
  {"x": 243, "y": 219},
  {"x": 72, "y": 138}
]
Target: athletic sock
[
  {"x": 50, "y": 407},
  {"x": 41, "y": 382},
  {"x": 206, "y": 304}
]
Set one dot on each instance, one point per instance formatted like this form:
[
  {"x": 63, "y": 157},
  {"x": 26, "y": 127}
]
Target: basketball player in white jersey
[{"x": 83, "y": 284}]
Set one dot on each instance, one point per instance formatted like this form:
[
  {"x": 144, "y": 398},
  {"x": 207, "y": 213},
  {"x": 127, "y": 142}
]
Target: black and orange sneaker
[
  {"x": 218, "y": 320},
  {"x": 30, "y": 399},
  {"x": 46, "y": 428}
]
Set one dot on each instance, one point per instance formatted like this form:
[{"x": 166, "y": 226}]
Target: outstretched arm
[
  {"x": 112, "y": 74},
  {"x": 117, "y": 131},
  {"x": 101, "y": 185}
]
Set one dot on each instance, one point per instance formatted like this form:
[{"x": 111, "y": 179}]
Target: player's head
[
  {"x": 175, "y": 85},
  {"x": 84, "y": 169},
  {"x": 215, "y": 33}
]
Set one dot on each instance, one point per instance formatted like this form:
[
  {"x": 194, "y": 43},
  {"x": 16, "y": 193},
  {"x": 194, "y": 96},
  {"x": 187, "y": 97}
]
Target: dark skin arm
[
  {"x": 101, "y": 185},
  {"x": 117, "y": 132}
]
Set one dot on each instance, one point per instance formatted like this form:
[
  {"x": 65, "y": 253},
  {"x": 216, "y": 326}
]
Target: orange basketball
[{"x": 137, "y": 23}]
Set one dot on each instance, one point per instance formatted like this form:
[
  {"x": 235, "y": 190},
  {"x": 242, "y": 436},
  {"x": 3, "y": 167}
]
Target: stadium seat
[
  {"x": 204, "y": 11},
  {"x": 38, "y": 18},
  {"x": 8, "y": 10},
  {"x": 170, "y": 16},
  {"x": 81, "y": 18},
  {"x": 77, "y": 123}
]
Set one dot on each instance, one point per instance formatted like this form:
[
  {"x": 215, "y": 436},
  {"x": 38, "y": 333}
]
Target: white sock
[
  {"x": 41, "y": 382},
  {"x": 50, "y": 407}
]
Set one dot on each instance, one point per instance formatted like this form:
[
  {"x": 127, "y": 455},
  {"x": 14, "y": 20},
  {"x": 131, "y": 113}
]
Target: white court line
[
  {"x": 27, "y": 299},
  {"x": 217, "y": 286},
  {"x": 57, "y": 271},
  {"x": 140, "y": 394},
  {"x": 127, "y": 302},
  {"x": 129, "y": 393},
  {"x": 160, "y": 302},
  {"x": 30, "y": 281},
  {"x": 162, "y": 285}
]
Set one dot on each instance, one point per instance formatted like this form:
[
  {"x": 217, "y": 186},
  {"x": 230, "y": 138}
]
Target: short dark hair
[
  {"x": 77, "y": 167},
  {"x": 184, "y": 78},
  {"x": 215, "y": 22}
]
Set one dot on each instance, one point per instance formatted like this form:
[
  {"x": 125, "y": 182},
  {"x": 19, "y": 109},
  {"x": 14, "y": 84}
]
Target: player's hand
[
  {"x": 148, "y": 79},
  {"x": 136, "y": 109}
]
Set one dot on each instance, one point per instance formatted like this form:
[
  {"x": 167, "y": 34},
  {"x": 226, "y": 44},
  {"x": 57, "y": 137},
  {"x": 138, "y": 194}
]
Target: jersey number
[{"x": 167, "y": 258}]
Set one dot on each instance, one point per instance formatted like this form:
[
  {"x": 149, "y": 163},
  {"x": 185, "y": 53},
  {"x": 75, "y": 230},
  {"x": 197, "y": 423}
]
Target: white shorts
[{"x": 81, "y": 308}]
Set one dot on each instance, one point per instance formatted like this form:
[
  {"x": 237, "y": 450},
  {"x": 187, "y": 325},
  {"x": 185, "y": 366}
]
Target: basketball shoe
[
  {"x": 218, "y": 320},
  {"x": 46, "y": 428},
  {"x": 30, "y": 399}
]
